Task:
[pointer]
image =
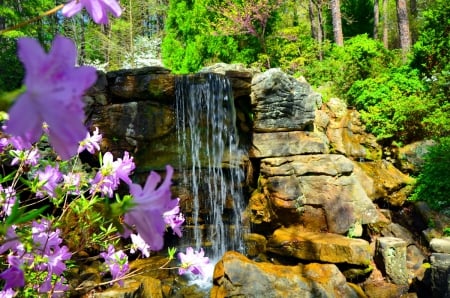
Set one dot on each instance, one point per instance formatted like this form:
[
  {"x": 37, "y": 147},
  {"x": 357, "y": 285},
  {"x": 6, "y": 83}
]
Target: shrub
[
  {"x": 433, "y": 183},
  {"x": 393, "y": 104}
]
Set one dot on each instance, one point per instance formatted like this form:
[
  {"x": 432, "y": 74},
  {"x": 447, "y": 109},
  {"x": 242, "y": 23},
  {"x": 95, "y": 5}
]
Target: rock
[
  {"x": 302, "y": 187},
  {"x": 301, "y": 165},
  {"x": 410, "y": 158},
  {"x": 131, "y": 289},
  {"x": 319, "y": 247},
  {"x": 441, "y": 245},
  {"x": 147, "y": 83},
  {"x": 281, "y": 103},
  {"x": 132, "y": 126},
  {"x": 240, "y": 77},
  {"x": 286, "y": 144},
  {"x": 237, "y": 276},
  {"x": 398, "y": 231},
  {"x": 385, "y": 290},
  {"x": 382, "y": 180},
  {"x": 347, "y": 134},
  {"x": 391, "y": 258},
  {"x": 440, "y": 275},
  {"x": 255, "y": 244}
]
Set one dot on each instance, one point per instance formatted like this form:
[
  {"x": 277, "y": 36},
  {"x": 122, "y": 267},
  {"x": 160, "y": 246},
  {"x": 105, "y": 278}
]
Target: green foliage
[
  {"x": 192, "y": 39},
  {"x": 292, "y": 48},
  {"x": 360, "y": 58},
  {"x": 393, "y": 104},
  {"x": 433, "y": 183},
  {"x": 431, "y": 53}
]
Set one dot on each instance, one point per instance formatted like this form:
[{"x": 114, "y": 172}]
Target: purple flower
[
  {"x": 54, "y": 90},
  {"x": 14, "y": 277},
  {"x": 111, "y": 172},
  {"x": 174, "y": 219},
  {"x": 150, "y": 205},
  {"x": 91, "y": 143},
  {"x": 9, "y": 293},
  {"x": 28, "y": 157},
  {"x": 50, "y": 178},
  {"x": 7, "y": 199},
  {"x": 57, "y": 289},
  {"x": 11, "y": 241},
  {"x": 3, "y": 143},
  {"x": 193, "y": 261},
  {"x": 45, "y": 240},
  {"x": 72, "y": 183},
  {"x": 139, "y": 243},
  {"x": 98, "y": 9},
  {"x": 117, "y": 262},
  {"x": 56, "y": 260}
]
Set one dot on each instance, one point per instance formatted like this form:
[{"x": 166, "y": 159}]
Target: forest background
[{"x": 387, "y": 58}]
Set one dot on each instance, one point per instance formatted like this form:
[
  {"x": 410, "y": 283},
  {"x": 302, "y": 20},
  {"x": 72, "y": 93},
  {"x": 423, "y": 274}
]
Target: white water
[{"x": 208, "y": 141}]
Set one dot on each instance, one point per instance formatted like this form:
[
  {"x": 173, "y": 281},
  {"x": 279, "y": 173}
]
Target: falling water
[{"x": 210, "y": 162}]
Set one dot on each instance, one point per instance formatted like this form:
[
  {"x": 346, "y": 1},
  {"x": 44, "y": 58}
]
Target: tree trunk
[
  {"x": 337, "y": 22},
  {"x": 312, "y": 20},
  {"x": 376, "y": 18},
  {"x": 403, "y": 26},
  {"x": 316, "y": 20},
  {"x": 385, "y": 24}
]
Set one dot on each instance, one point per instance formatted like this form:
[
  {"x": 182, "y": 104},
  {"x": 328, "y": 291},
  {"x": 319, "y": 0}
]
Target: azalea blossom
[
  {"x": 174, "y": 219},
  {"x": 91, "y": 143},
  {"x": 150, "y": 204},
  {"x": 139, "y": 244},
  {"x": 111, "y": 172},
  {"x": 98, "y": 9},
  {"x": 54, "y": 90},
  {"x": 7, "y": 199},
  {"x": 117, "y": 262},
  {"x": 28, "y": 157},
  {"x": 193, "y": 261},
  {"x": 50, "y": 178}
]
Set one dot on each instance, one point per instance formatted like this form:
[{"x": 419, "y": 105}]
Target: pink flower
[
  {"x": 140, "y": 244},
  {"x": 49, "y": 178},
  {"x": 91, "y": 143},
  {"x": 54, "y": 90},
  {"x": 98, "y": 9},
  {"x": 193, "y": 261},
  {"x": 150, "y": 205},
  {"x": 111, "y": 172},
  {"x": 174, "y": 219},
  {"x": 117, "y": 262}
]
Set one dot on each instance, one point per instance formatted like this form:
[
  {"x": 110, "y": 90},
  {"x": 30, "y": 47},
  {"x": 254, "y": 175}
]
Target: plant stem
[{"x": 47, "y": 13}]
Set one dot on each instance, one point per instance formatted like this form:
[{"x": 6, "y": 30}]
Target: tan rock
[
  {"x": 286, "y": 143},
  {"x": 237, "y": 276},
  {"x": 320, "y": 247}
]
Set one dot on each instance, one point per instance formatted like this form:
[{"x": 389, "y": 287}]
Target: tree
[
  {"x": 337, "y": 22},
  {"x": 385, "y": 24},
  {"x": 315, "y": 12},
  {"x": 376, "y": 18},
  {"x": 403, "y": 26}
]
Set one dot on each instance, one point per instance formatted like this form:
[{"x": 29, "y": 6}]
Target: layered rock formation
[{"x": 314, "y": 181}]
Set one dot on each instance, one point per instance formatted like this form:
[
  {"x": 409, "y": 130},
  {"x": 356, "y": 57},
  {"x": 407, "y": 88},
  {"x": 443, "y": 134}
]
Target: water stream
[{"x": 210, "y": 163}]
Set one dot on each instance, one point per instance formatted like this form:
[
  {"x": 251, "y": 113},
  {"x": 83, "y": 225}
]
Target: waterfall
[{"x": 210, "y": 162}]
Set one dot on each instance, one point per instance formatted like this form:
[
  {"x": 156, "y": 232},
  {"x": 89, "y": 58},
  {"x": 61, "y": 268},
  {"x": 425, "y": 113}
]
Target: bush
[
  {"x": 360, "y": 58},
  {"x": 393, "y": 104},
  {"x": 433, "y": 183}
]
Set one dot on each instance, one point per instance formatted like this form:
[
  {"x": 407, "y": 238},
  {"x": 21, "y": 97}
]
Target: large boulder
[
  {"x": 319, "y": 247},
  {"x": 312, "y": 189},
  {"x": 346, "y": 132},
  {"x": 281, "y": 103},
  {"x": 237, "y": 276},
  {"x": 382, "y": 180}
]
